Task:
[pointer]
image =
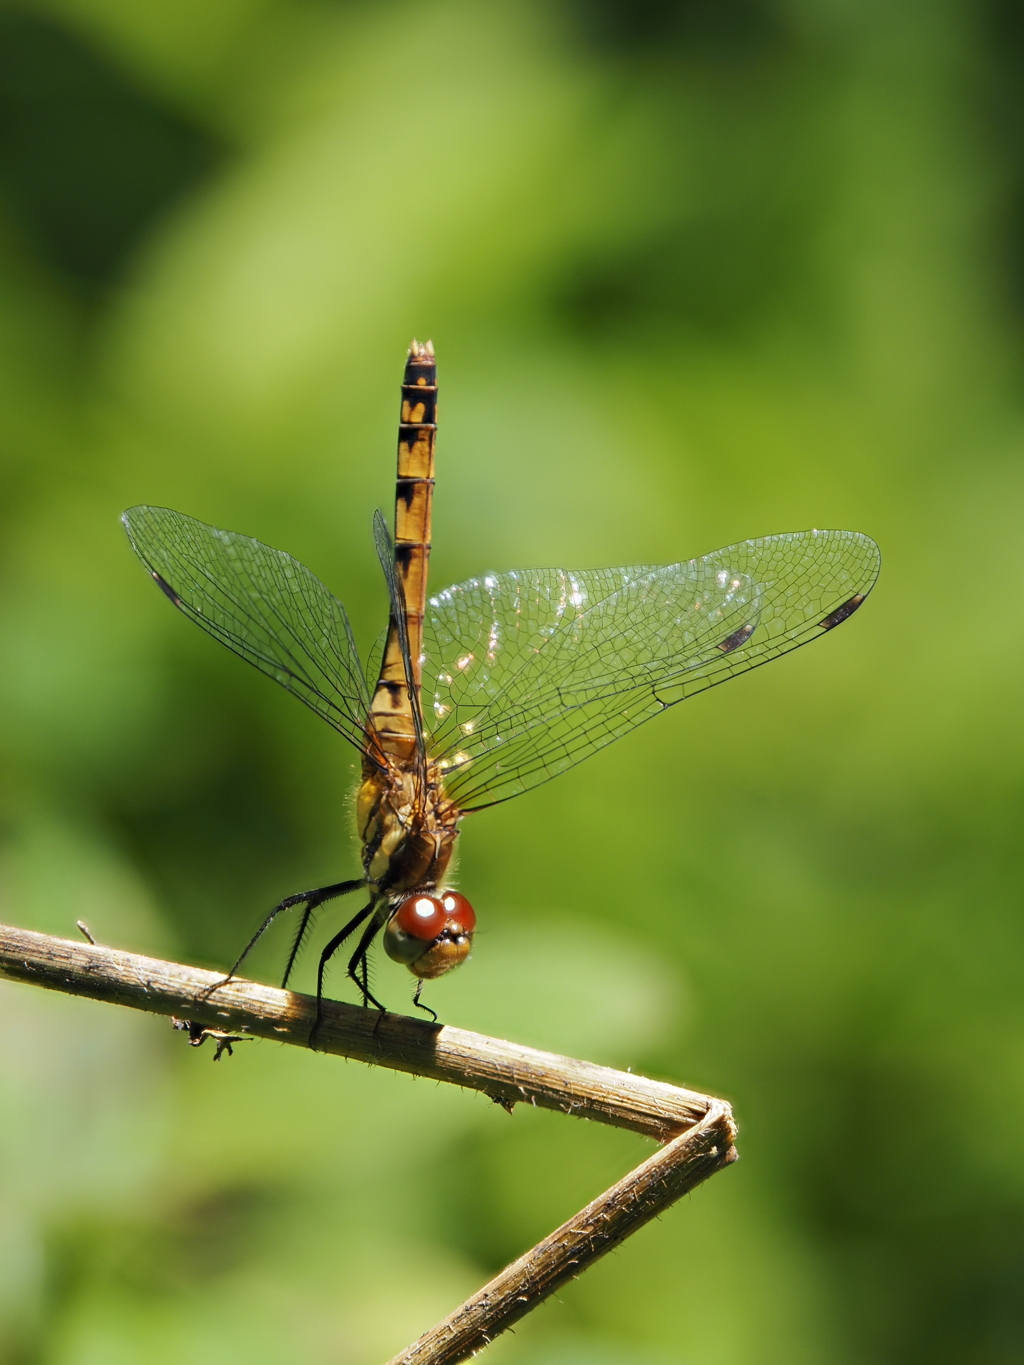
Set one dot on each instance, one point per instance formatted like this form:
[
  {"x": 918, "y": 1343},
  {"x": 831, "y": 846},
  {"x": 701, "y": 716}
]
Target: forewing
[
  {"x": 374, "y": 659},
  {"x": 263, "y": 604},
  {"x": 527, "y": 673}
]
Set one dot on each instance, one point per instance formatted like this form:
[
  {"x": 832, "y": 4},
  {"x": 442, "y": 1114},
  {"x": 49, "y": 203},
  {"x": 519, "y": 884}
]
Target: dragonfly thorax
[{"x": 408, "y": 834}]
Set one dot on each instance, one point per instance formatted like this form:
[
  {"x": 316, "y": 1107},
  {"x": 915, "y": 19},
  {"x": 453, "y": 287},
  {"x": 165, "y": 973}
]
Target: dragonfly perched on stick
[{"x": 489, "y": 688}]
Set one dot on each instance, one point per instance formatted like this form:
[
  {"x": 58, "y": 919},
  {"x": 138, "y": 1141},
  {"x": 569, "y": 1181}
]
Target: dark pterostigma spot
[
  {"x": 737, "y": 638},
  {"x": 840, "y": 614},
  {"x": 166, "y": 588}
]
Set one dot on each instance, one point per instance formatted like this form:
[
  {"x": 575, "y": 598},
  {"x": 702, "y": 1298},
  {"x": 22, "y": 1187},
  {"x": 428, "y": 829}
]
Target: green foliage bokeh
[{"x": 695, "y": 272}]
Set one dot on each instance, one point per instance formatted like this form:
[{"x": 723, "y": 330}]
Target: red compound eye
[
  {"x": 421, "y": 917},
  {"x": 459, "y": 911}
]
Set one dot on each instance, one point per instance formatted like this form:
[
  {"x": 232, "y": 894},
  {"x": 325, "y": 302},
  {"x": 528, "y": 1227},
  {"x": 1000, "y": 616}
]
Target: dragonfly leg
[
  {"x": 300, "y": 934},
  {"x": 416, "y": 1001},
  {"x": 358, "y": 960},
  {"x": 311, "y": 899},
  {"x": 328, "y": 952}
]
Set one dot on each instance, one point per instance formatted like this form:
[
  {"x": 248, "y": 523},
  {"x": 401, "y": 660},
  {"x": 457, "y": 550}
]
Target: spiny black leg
[
  {"x": 335, "y": 943},
  {"x": 300, "y": 934},
  {"x": 363, "y": 971},
  {"x": 416, "y": 1000},
  {"x": 286, "y": 904},
  {"x": 358, "y": 959},
  {"x": 311, "y": 898},
  {"x": 328, "y": 952}
]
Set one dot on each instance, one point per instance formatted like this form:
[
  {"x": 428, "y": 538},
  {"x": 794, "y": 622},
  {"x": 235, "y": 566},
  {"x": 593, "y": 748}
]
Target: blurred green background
[{"x": 696, "y": 271}]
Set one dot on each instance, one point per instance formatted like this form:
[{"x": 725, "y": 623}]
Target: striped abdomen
[{"x": 391, "y": 710}]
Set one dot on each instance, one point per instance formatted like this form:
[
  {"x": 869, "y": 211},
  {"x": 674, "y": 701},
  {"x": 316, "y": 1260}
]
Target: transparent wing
[
  {"x": 527, "y": 673},
  {"x": 374, "y": 659},
  {"x": 264, "y": 605}
]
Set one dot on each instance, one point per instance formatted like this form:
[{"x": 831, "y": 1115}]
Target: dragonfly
[{"x": 487, "y": 689}]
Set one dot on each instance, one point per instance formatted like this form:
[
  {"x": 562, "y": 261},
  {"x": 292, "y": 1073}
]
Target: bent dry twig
[{"x": 698, "y": 1130}]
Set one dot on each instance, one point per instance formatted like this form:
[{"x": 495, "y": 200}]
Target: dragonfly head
[{"x": 431, "y": 934}]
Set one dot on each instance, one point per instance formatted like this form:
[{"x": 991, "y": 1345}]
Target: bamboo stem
[{"x": 698, "y": 1130}]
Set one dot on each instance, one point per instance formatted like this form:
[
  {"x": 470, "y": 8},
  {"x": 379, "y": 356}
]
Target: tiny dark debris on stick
[{"x": 198, "y": 1034}]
